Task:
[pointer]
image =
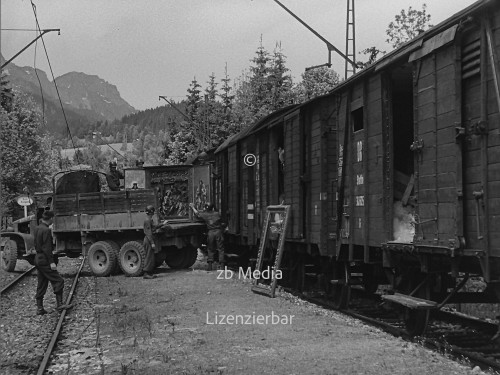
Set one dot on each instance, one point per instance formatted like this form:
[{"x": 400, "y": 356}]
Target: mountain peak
[{"x": 88, "y": 95}]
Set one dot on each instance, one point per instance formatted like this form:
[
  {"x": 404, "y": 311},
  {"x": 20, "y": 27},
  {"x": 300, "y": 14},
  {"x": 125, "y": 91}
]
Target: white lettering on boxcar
[
  {"x": 360, "y": 200},
  {"x": 359, "y": 147},
  {"x": 359, "y": 179}
]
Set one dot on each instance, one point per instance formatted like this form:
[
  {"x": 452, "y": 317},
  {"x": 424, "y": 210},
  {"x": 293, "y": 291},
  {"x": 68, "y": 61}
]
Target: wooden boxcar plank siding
[
  {"x": 494, "y": 172},
  {"x": 427, "y": 111},
  {"x": 292, "y": 173},
  {"x": 446, "y": 120}
]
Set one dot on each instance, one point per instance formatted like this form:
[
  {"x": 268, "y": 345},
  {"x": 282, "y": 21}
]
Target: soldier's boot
[
  {"x": 222, "y": 265},
  {"x": 39, "y": 307},
  {"x": 210, "y": 266},
  {"x": 60, "y": 305}
]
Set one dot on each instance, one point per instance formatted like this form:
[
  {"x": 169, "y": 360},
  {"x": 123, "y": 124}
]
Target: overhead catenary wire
[
  {"x": 107, "y": 144},
  {"x": 38, "y": 78},
  {"x": 54, "y": 80}
]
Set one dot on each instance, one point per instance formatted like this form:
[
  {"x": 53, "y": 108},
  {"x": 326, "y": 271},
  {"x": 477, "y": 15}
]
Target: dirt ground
[{"x": 166, "y": 326}]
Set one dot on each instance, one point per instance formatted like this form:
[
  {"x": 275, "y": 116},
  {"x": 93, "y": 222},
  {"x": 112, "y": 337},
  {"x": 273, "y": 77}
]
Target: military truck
[{"x": 107, "y": 226}]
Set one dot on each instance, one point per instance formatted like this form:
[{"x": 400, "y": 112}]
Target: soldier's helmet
[
  {"x": 150, "y": 210},
  {"x": 113, "y": 164},
  {"x": 209, "y": 206}
]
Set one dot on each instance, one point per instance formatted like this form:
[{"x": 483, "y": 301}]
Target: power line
[
  {"x": 107, "y": 144},
  {"x": 19, "y": 29},
  {"x": 54, "y": 80}
]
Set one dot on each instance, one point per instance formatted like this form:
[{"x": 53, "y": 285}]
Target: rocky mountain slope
[{"x": 86, "y": 98}]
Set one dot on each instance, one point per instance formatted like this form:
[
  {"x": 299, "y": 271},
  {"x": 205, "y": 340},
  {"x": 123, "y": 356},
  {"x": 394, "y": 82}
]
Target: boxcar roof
[{"x": 254, "y": 127}]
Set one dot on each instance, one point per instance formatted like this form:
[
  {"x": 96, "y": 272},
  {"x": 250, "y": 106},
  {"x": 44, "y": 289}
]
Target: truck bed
[{"x": 112, "y": 210}]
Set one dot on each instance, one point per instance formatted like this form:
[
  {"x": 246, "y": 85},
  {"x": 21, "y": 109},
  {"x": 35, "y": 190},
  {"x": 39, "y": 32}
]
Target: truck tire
[
  {"x": 102, "y": 258},
  {"x": 160, "y": 258},
  {"x": 116, "y": 249},
  {"x": 132, "y": 258},
  {"x": 9, "y": 256},
  {"x": 176, "y": 258},
  {"x": 191, "y": 256}
]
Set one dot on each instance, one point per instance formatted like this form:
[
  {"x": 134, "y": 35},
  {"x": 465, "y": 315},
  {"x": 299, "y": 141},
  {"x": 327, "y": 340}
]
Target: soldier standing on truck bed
[
  {"x": 113, "y": 177},
  {"x": 215, "y": 238},
  {"x": 149, "y": 243},
  {"x": 46, "y": 266}
]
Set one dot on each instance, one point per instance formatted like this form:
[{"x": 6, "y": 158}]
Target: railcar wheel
[
  {"x": 9, "y": 256},
  {"x": 175, "y": 258},
  {"x": 102, "y": 258},
  {"x": 160, "y": 258},
  {"x": 341, "y": 290},
  {"x": 116, "y": 250},
  {"x": 132, "y": 258},
  {"x": 191, "y": 254}
]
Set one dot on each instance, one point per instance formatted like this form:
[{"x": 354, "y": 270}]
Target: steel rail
[
  {"x": 55, "y": 335},
  {"x": 16, "y": 280}
]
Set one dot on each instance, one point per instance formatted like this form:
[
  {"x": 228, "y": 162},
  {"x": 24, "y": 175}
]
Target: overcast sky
[{"x": 149, "y": 48}]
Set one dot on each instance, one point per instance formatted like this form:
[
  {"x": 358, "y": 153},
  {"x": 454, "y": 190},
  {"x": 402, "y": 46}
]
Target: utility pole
[
  {"x": 350, "y": 39},
  {"x": 329, "y": 45}
]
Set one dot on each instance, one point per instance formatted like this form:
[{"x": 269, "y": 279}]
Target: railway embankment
[{"x": 198, "y": 322}]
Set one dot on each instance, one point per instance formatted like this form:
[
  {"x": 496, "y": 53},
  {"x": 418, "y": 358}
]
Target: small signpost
[
  {"x": 25, "y": 201},
  {"x": 271, "y": 245}
]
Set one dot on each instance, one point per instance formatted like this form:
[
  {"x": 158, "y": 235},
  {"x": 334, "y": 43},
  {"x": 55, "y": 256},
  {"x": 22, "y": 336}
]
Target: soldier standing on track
[
  {"x": 215, "y": 238},
  {"x": 149, "y": 243},
  {"x": 45, "y": 263}
]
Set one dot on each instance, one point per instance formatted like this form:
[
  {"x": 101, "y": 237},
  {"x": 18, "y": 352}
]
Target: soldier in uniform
[
  {"x": 215, "y": 238},
  {"x": 113, "y": 177},
  {"x": 45, "y": 263},
  {"x": 149, "y": 243}
]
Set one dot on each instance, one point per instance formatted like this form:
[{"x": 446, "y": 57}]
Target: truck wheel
[
  {"x": 9, "y": 256},
  {"x": 132, "y": 258},
  {"x": 191, "y": 256},
  {"x": 102, "y": 258},
  {"x": 116, "y": 249},
  {"x": 176, "y": 258}
]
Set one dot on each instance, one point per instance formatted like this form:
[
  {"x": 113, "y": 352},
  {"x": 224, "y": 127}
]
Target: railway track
[
  {"x": 458, "y": 335},
  {"x": 16, "y": 280},
  {"x": 57, "y": 330},
  {"x": 30, "y": 323}
]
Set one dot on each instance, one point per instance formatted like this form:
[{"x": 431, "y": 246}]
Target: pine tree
[
  {"x": 193, "y": 110},
  {"x": 226, "y": 97},
  {"x": 212, "y": 113},
  {"x": 259, "y": 82},
  {"x": 193, "y": 100},
  {"x": 6, "y": 95},
  {"x": 281, "y": 82}
]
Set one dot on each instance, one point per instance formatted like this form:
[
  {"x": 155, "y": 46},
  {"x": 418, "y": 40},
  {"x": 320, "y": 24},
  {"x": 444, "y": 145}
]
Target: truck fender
[{"x": 25, "y": 242}]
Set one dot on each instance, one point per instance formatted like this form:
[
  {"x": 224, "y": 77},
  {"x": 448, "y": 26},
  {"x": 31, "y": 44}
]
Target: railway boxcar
[{"x": 392, "y": 177}]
